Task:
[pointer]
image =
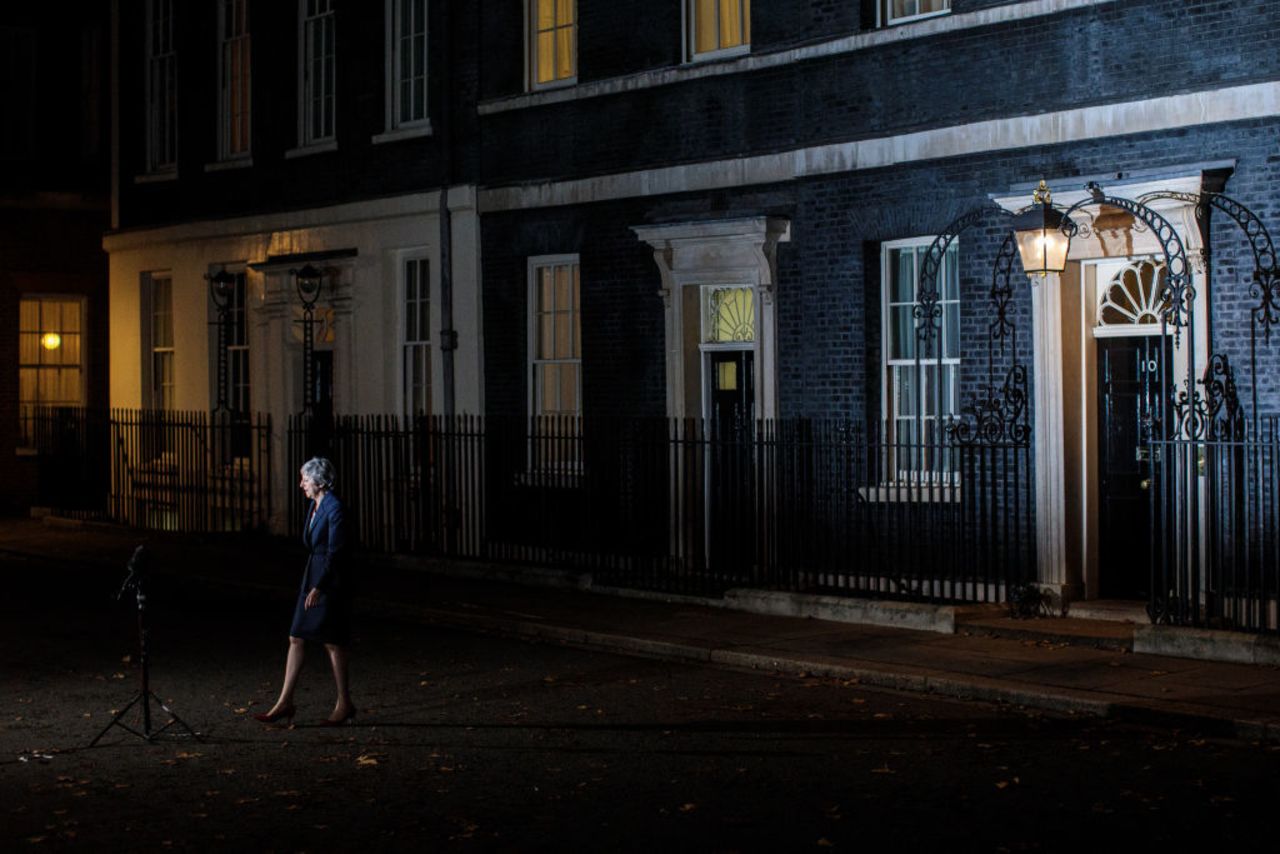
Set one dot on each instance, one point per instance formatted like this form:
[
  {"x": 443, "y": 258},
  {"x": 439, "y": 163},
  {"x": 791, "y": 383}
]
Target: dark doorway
[
  {"x": 322, "y": 383},
  {"x": 1129, "y": 382},
  {"x": 730, "y": 471},
  {"x": 732, "y": 389}
]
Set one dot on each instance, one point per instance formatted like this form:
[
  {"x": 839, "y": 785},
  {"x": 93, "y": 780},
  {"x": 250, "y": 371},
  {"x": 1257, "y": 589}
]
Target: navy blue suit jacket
[{"x": 326, "y": 540}]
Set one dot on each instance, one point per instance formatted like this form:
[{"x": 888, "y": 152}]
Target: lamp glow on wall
[
  {"x": 1042, "y": 241},
  {"x": 51, "y": 341}
]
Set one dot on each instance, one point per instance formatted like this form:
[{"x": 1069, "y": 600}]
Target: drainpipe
[{"x": 448, "y": 335}]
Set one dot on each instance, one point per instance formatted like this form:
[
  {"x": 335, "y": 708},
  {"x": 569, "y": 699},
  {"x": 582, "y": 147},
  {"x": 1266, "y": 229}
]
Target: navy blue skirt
[{"x": 328, "y": 621}]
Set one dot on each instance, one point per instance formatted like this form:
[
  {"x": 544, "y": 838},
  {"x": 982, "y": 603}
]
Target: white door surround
[
  {"x": 1064, "y": 317},
  {"x": 690, "y": 255}
]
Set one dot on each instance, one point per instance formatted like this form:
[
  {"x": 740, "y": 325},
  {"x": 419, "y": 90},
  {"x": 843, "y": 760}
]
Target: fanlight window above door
[
  {"x": 729, "y": 315},
  {"x": 1133, "y": 296}
]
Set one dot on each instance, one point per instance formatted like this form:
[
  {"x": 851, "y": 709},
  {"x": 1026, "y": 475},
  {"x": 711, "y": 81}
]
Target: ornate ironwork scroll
[
  {"x": 927, "y": 312},
  {"x": 1001, "y": 327},
  {"x": 999, "y": 416},
  {"x": 1181, "y": 295},
  {"x": 1216, "y": 414},
  {"x": 1265, "y": 287}
]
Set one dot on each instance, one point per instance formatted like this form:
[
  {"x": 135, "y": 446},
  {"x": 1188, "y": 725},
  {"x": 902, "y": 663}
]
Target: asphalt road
[{"x": 468, "y": 742}]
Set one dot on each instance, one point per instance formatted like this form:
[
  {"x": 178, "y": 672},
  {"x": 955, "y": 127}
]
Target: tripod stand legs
[{"x": 145, "y": 697}]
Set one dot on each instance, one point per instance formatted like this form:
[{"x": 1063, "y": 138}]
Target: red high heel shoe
[
  {"x": 340, "y": 721},
  {"x": 272, "y": 717}
]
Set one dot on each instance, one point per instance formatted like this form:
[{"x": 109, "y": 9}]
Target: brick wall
[
  {"x": 1108, "y": 53},
  {"x": 828, "y": 292}
]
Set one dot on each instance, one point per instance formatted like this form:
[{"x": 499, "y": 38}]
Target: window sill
[
  {"x": 227, "y": 165},
  {"x": 897, "y": 22},
  {"x": 723, "y": 53},
  {"x": 562, "y": 83},
  {"x": 313, "y": 148},
  {"x": 156, "y": 177},
  {"x": 397, "y": 134}
]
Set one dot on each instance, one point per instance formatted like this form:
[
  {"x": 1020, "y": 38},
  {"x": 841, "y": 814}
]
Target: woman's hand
[{"x": 313, "y": 598}]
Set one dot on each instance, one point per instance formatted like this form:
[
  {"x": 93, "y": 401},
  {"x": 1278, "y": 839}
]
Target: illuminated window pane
[
  {"x": 718, "y": 25},
  {"x": 553, "y": 37},
  {"x": 50, "y": 369},
  {"x": 729, "y": 315}
]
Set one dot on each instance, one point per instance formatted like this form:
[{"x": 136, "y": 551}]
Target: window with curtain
[
  {"x": 318, "y": 72},
  {"x": 555, "y": 364},
  {"x": 717, "y": 27},
  {"x": 408, "y": 51},
  {"x": 900, "y": 11},
  {"x": 234, "y": 73},
  {"x": 162, "y": 88},
  {"x": 417, "y": 337},
  {"x": 50, "y": 357},
  {"x": 553, "y": 42},
  {"x": 555, "y": 353},
  {"x": 918, "y": 396}
]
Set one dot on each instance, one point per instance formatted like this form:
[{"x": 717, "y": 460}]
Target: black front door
[
  {"x": 1129, "y": 372},
  {"x": 731, "y": 473},
  {"x": 732, "y": 389}
]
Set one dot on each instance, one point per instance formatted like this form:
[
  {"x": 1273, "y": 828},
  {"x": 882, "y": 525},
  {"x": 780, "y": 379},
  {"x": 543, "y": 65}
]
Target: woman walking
[{"x": 323, "y": 610}]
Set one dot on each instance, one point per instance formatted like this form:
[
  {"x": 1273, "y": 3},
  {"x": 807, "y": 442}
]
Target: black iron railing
[
  {"x": 1216, "y": 537},
  {"x": 686, "y": 506},
  {"x": 159, "y": 469}
]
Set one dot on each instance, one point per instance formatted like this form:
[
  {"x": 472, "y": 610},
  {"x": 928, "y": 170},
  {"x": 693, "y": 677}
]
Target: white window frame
[
  {"x": 25, "y": 438},
  {"x": 691, "y": 52},
  {"x": 239, "y": 379},
  {"x": 886, "y": 18},
  {"x": 890, "y": 406},
  {"x": 531, "y": 49},
  {"x": 153, "y": 394},
  {"x": 234, "y": 43},
  {"x": 416, "y": 346},
  {"x": 161, "y": 111},
  {"x": 535, "y": 265},
  {"x": 306, "y": 79},
  {"x": 397, "y": 125}
]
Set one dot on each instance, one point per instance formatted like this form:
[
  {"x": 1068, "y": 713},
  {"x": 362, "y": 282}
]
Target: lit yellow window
[
  {"x": 729, "y": 315},
  {"x": 719, "y": 25},
  {"x": 553, "y": 31}
]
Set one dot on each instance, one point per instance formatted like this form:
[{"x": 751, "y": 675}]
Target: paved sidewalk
[{"x": 1077, "y": 666}]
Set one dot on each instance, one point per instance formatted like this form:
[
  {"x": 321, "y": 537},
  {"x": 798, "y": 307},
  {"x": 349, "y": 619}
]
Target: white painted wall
[{"x": 364, "y": 301}]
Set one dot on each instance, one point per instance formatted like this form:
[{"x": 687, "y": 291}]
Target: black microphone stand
[{"x": 133, "y": 581}]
